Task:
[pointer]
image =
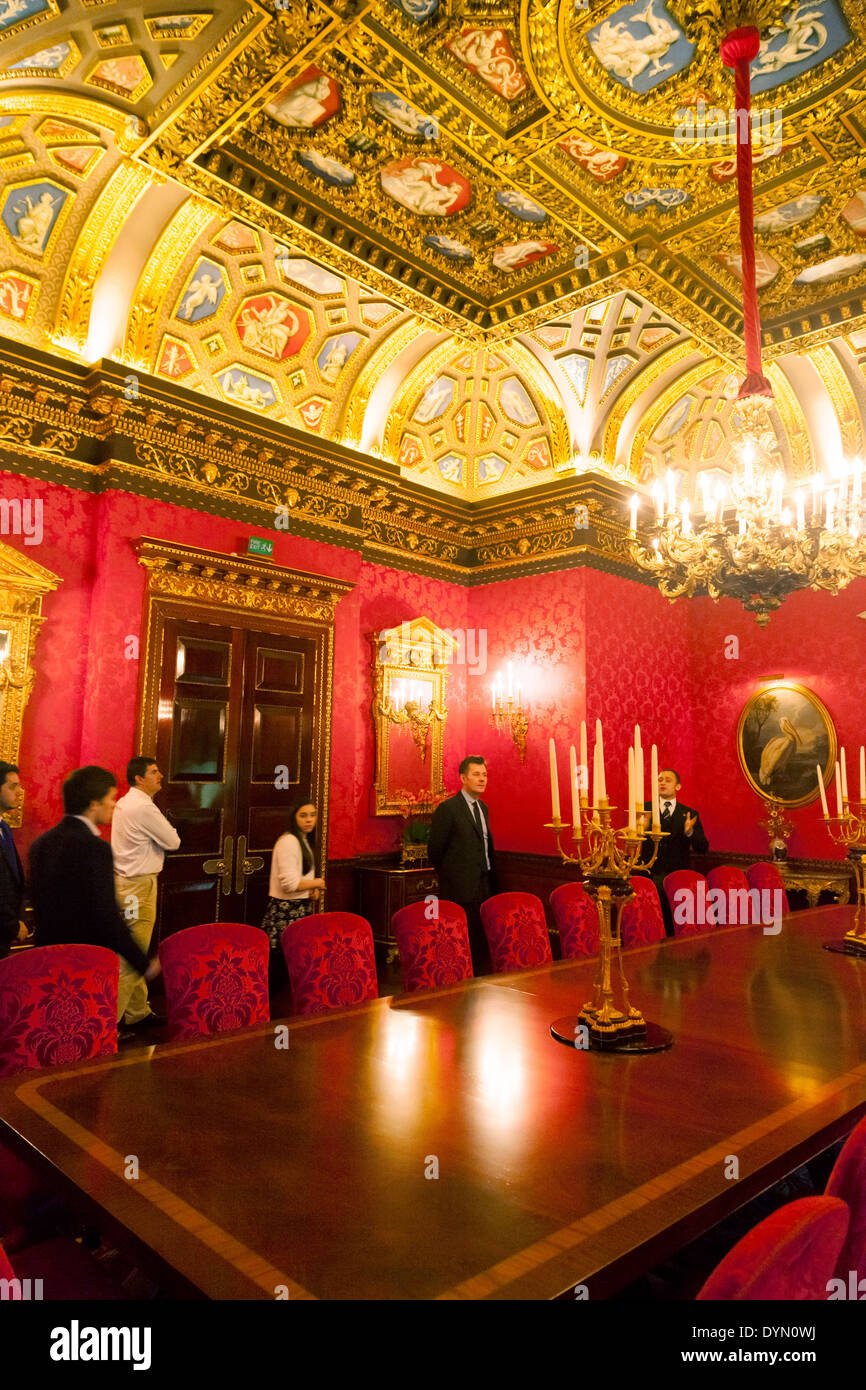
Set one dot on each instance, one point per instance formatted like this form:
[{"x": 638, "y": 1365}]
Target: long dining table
[{"x": 443, "y": 1145}]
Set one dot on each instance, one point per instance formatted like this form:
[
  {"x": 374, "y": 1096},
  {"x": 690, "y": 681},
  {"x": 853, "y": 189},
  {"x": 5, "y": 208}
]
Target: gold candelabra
[
  {"x": 606, "y": 858},
  {"x": 511, "y": 718},
  {"x": 849, "y": 829}
]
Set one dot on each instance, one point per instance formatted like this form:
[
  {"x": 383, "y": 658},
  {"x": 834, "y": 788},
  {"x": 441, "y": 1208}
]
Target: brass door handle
[
  {"x": 222, "y": 866},
  {"x": 246, "y": 864}
]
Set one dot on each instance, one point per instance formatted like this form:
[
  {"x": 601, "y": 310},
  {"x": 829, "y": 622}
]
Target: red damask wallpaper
[{"x": 583, "y": 645}]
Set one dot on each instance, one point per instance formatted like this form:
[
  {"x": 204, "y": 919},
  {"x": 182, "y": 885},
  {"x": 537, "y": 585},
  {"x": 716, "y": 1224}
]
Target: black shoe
[
  {"x": 126, "y": 1035},
  {"x": 150, "y": 1020}
]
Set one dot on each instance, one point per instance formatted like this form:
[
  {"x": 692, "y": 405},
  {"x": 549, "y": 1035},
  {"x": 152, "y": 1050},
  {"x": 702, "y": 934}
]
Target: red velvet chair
[
  {"x": 434, "y": 950},
  {"x": 789, "y": 1256},
  {"x": 642, "y": 922},
  {"x": 330, "y": 961},
  {"x": 766, "y": 875},
  {"x": 728, "y": 877},
  {"x": 516, "y": 931},
  {"x": 687, "y": 879},
  {"x": 68, "y": 1272},
  {"x": 216, "y": 978},
  {"x": 848, "y": 1182},
  {"x": 576, "y": 917},
  {"x": 58, "y": 1004}
]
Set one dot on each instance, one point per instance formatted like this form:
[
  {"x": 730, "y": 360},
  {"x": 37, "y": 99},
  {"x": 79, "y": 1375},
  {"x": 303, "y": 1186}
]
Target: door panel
[{"x": 236, "y": 717}]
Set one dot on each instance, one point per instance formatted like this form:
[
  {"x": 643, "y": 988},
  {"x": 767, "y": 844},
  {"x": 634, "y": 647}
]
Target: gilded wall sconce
[{"x": 510, "y": 717}]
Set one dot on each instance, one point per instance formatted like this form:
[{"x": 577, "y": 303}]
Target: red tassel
[{"x": 738, "y": 49}]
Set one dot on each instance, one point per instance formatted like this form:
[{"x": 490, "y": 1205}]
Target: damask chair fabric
[
  {"x": 6, "y": 1270},
  {"x": 576, "y": 917},
  {"x": 791, "y": 1255},
  {"x": 58, "y": 1004},
  {"x": 766, "y": 875},
  {"x": 216, "y": 978},
  {"x": 696, "y": 905},
  {"x": 516, "y": 931},
  {"x": 331, "y": 962},
  {"x": 642, "y": 922},
  {"x": 731, "y": 879},
  {"x": 434, "y": 951},
  {"x": 848, "y": 1182}
]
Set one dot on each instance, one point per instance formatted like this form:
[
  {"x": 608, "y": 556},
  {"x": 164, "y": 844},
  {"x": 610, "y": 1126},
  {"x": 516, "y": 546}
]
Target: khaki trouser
[{"x": 137, "y": 901}]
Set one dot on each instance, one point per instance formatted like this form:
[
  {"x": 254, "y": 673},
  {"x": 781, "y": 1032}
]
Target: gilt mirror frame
[
  {"x": 784, "y": 732},
  {"x": 412, "y": 650},
  {"x": 23, "y": 585}
]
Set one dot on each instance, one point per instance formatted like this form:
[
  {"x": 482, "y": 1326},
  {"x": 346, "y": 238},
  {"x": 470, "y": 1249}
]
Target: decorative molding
[{"x": 23, "y": 585}]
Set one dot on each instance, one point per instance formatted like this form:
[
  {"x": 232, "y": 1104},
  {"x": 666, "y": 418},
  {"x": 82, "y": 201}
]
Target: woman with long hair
[{"x": 294, "y": 887}]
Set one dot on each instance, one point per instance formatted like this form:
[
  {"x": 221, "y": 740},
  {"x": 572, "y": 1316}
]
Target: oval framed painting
[{"x": 785, "y": 733}]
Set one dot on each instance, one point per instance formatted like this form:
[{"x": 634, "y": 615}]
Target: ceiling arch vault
[{"x": 492, "y": 245}]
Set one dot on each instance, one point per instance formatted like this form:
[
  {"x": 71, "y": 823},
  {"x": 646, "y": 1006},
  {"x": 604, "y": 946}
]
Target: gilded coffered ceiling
[{"x": 488, "y": 242}]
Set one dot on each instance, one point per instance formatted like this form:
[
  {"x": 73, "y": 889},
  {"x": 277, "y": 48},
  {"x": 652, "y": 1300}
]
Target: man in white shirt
[{"x": 140, "y": 835}]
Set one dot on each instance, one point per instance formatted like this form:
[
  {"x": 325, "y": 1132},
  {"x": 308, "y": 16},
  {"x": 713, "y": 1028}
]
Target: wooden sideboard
[{"x": 383, "y": 890}]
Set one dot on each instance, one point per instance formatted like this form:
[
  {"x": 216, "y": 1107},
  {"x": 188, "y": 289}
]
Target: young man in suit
[
  {"x": 684, "y": 835},
  {"x": 72, "y": 874},
  {"x": 12, "y": 929},
  {"x": 461, "y": 851}
]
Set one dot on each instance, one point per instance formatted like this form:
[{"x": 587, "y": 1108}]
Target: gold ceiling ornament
[
  {"x": 841, "y": 393},
  {"x": 351, "y": 425},
  {"x": 95, "y": 241},
  {"x": 23, "y": 585},
  {"x": 759, "y": 551},
  {"x": 671, "y": 355},
  {"x": 802, "y": 456},
  {"x": 187, "y": 224}
]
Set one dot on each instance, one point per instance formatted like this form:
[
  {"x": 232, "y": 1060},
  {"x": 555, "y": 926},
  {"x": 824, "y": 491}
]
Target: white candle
[
  {"x": 584, "y": 761},
  {"x": 654, "y": 779},
  {"x": 838, "y": 792},
  {"x": 639, "y": 779},
  {"x": 517, "y": 693},
  {"x": 554, "y": 783},
  {"x": 634, "y": 514},
  {"x": 862, "y": 773},
  {"x": 575, "y": 795},
  {"x": 631, "y": 819},
  {"x": 510, "y": 691},
  {"x": 602, "y": 780},
  {"x": 844, "y": 768},
  {"x": 595, "y": 792},
  {"x": 824, "y": 805}
]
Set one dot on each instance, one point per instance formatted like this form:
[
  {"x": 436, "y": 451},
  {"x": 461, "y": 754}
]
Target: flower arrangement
[{"x": 417, "y": 809}]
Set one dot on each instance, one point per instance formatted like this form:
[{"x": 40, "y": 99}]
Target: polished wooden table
[{"x": 445, "y": 1146}]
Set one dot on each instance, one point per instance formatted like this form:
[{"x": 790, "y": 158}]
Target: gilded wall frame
[
  {"x": 784, "y": 733},
  {"x": 23, "y": 584},
  {"x": 416, "y": 651}
]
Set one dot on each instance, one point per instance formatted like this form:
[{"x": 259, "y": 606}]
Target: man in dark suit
[
  {"x": 461, "y": 851},
  {"x": 684, "y": 835},
  {"x": 12, "y": 929},
  {"x": 72, "y": 874}
]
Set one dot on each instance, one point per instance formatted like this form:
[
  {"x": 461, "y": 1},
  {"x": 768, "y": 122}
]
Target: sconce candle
[
  {"x": 599, "y": 743},
  {"x": 575, "y": 792},
  {"x": 654, "y": 789},
  {"x": 554, "y": 785},
  {"x": 838, "y": 791},
  {"x": 844, "y": 770},
  {"x": 631, "y": 785},
  {"x": 825, "y": 807},
  {"x": 584, "y": 761}
]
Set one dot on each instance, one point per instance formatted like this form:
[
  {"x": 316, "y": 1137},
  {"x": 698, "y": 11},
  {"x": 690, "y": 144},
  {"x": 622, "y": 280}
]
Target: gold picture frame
[
  {"x": 409, "y": 710},
  {"x": 784, "y": 733}
]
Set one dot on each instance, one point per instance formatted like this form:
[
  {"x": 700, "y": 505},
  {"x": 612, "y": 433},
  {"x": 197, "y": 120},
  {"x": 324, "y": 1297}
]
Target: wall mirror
[{"x": 409, "y": 710}]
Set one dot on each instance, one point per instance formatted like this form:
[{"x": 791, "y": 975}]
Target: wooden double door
[{"x": 233, "y": 715}]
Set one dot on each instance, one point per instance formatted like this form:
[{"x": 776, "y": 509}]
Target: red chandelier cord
[{"x": 738, "y": 49}]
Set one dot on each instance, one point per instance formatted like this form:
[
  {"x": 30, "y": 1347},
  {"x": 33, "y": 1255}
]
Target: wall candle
[
  {"x": 595, "y": 775},
  {"x": 838, "y": 792},
  {"x": 510, "y": 691},
  {"x": 584, "y": 761},
  {"x": 602, "y": 781},
  {"x": 575, "y": 796},
  {"x": 631, "y": 819},
  {"x": 639, "y": 779},
  {"x": 844, "y": 769},
  {"x": 654, "y": 787},
  {"x": 824, "y": 806},
  {"x": 554, "y": 784}
]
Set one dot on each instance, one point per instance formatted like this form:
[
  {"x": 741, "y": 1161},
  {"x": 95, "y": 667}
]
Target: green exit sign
[{"x": 258, "y": 545}]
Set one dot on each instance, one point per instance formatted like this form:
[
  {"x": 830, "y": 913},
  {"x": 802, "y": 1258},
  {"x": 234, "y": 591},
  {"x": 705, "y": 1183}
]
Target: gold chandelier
[{"x": 757, "y": 545}]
